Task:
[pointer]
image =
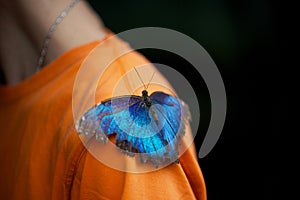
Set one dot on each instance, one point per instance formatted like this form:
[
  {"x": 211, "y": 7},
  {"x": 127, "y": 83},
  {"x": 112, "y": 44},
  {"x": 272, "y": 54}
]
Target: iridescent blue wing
[
  {"x": 175, "y": 115},
  {"x": 152, "y": 131},
  {"x": 98, "y": 120}
]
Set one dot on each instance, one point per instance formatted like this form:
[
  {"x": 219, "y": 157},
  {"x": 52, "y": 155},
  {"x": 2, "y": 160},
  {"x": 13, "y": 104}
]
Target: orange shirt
[{"x": 42, "y": 156}]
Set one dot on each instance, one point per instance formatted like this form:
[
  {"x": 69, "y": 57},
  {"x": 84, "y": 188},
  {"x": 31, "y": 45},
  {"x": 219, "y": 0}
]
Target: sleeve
[{"x": 94, "y": 179}]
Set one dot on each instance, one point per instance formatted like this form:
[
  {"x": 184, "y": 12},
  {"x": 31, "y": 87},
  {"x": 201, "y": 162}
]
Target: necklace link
[{"x": 51, "y": 30}]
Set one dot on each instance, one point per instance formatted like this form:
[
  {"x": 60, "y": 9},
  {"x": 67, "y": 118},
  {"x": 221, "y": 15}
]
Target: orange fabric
[{"x": 42, "y": 156}]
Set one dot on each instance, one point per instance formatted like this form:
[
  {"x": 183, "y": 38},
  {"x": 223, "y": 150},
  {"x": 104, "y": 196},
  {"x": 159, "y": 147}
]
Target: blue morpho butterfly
[{"x": 149, "y": 125}]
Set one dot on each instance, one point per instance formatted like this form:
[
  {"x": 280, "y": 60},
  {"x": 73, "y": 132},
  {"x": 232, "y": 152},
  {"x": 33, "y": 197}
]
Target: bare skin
[{"x": 24, "y": 25}]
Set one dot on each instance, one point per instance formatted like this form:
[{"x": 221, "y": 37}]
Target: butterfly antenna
[
  {"x": 140, "y": 78},
  {"x": 150, "y": 80}
]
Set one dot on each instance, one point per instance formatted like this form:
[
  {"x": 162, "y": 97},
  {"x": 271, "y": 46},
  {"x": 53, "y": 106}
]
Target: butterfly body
[
  {"x": 146, "y": 98},
  {"x": 150, "y": 126}
]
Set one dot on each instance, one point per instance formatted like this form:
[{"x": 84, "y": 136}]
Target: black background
[{"x": 242, "y": 37}]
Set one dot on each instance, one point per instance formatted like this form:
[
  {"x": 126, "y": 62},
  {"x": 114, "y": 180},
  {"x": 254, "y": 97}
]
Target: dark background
[{"x": 242, "y": 37}]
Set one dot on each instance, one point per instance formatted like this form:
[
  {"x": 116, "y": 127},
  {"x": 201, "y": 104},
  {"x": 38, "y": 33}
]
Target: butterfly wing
[
  {"x": 176, "y": 117},
  {"x": 98, "y": 120},
  {"x": 153, "y": 132}
]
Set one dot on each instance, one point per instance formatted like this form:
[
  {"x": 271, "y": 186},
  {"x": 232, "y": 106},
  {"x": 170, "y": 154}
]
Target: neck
[{"x": 25, "y": 24}]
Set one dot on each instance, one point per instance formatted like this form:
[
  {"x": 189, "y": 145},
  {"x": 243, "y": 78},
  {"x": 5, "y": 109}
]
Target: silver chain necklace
[{"x": 48, "y": 37}]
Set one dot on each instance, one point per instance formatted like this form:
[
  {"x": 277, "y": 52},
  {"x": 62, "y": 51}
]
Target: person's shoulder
[{"x": 100, "y": 169}]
